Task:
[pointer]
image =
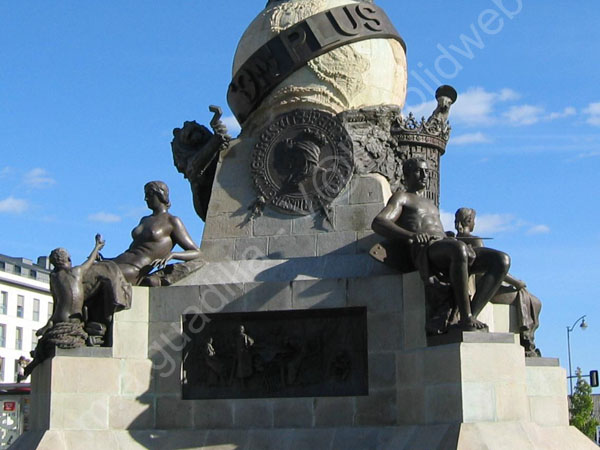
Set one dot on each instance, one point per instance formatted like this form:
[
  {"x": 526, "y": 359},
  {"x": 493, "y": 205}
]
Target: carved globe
[{"x": 366, "y": 73}]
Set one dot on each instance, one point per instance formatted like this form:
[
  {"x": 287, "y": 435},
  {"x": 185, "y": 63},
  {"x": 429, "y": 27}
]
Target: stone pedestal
[{"x": 477, "y": 392}]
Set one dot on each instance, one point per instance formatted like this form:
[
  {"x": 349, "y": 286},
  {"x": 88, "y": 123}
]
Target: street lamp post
[{"x": 583, "y": 326}]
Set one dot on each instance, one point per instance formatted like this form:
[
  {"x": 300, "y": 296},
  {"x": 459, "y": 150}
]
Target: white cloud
[
  {"x": 529, "y": 114},
  {"x": 472, "y": 107},
  {"x": 508, "y": 94},
  {"x": 447, "y": 220},
  {"x": 539, "y": 229},
  {"x": 233, "y": 127},
  {"x": 524, "y": 114},
  {"x": 593, "y": 112},
  {"x": 38, "y": 178},
  {"x": 422, "y": 110},
  {"x": 479, "y": 107},
  {"x": 485, "y": 224},
  {"x": 104, "y": 217},
  {"x": 476, "y": 106},
  {"x": 568, "y": 111},
  {"x": 469, "y": 138},
  {"x": 134, "y": 211},
  {"x": 494, "y": 223},
  {"x": 13, "y": 205}
]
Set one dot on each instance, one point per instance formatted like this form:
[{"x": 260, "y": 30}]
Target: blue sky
[{"x": 90, "y": 93}]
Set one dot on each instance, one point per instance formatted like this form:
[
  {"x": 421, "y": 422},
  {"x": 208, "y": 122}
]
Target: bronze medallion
[{"x": 302, "y": 161}]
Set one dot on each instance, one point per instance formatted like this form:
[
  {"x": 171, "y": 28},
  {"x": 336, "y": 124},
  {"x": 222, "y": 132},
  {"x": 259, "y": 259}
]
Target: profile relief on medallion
[
  {"x": 301, "y": 162},
  {"x": 298, "y": 161}
]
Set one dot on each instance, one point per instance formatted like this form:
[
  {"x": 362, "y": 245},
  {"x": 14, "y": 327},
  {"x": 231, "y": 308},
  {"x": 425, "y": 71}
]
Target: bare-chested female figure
[
  {"x": 155, "y": 237},
  {"x": 411, "y": 218}
]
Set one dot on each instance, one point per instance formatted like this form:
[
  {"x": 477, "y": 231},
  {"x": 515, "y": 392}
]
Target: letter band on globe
[{"x": 294, "y": 47}]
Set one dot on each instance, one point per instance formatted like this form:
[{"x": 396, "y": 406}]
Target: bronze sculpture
[
  {"x": 82, "y": 295},
  {"x": 275, "y": 354},
  {"x": 86, "y": 297},
  {"x": 195, "y": 154},
  {"x": 512, "y": 290},
  {"x": 154, "y": 239},
  {"x": 445, "y": 96},
  {"x": 67, "y": 284},
  {"x": 243, "y": 359},
  {"x": 413, "y": 224},
  {"x": 301, "y": 163},
  {"x": 216, "y": 367}
]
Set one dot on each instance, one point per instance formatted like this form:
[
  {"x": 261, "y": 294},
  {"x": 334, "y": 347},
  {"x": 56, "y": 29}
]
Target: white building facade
[{"x": 25, "y": 306}]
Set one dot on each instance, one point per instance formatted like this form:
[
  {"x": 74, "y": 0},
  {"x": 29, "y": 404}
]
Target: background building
[{"x": 25, "y": 306}]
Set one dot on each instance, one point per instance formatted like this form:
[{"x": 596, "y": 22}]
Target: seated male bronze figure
[{"x": 412, "y": 223}]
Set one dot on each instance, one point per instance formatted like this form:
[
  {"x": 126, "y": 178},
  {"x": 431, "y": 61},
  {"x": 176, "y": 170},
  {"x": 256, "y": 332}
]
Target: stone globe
[{"x": 366, "y": 73}]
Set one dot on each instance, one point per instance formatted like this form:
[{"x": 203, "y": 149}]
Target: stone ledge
[
  {"x": 491, "y": 436},
  {"x": 542, "y": 362},
  {"x": 308, "y": 268},
  {"x": 85, "y": 352},
  {"x": 471, "y": 337}
]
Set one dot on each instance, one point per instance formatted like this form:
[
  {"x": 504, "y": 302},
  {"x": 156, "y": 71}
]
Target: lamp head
[{"x": 583, "y": 325}]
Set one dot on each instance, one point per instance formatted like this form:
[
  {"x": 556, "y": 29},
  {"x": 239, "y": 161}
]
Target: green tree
[{"x": 582, "y": 407}]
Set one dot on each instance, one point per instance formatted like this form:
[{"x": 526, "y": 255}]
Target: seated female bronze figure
[
  {"x": 154, "y": 239},
  {"x": 87, "y": 296}
]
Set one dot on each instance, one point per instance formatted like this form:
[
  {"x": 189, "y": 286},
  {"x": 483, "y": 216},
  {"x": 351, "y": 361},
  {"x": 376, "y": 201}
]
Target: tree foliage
[{"x": 582, "y": 407}]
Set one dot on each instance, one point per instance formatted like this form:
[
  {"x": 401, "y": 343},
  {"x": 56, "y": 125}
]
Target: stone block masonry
[{"x": 231, "y": 234}]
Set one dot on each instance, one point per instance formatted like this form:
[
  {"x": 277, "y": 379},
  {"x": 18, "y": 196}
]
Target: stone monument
[{"x": 291, "y": 335}]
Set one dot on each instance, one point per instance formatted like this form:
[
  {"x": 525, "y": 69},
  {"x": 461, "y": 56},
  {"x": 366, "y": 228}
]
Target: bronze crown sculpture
[{"x": 427, "y": 139}]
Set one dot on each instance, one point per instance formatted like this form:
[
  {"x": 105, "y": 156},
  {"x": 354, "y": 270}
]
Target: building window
[
  {"x": 1, "y": 369},
  {"x": 17, "y": 270},
  {"x": 36, "y": 309},
  {"x": 19, "y": 339},
  {"x": 34, "y": 340},
  {"x": 4, "y": 303},
  {"x": 20, "y": 306},
  {"x": 16, "y": 369},
  {"x": 2, "y": 335},
  {"x": 32, "y": 274}
]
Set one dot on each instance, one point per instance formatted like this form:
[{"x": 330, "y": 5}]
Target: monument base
[{"x": 476, "y": 391}]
